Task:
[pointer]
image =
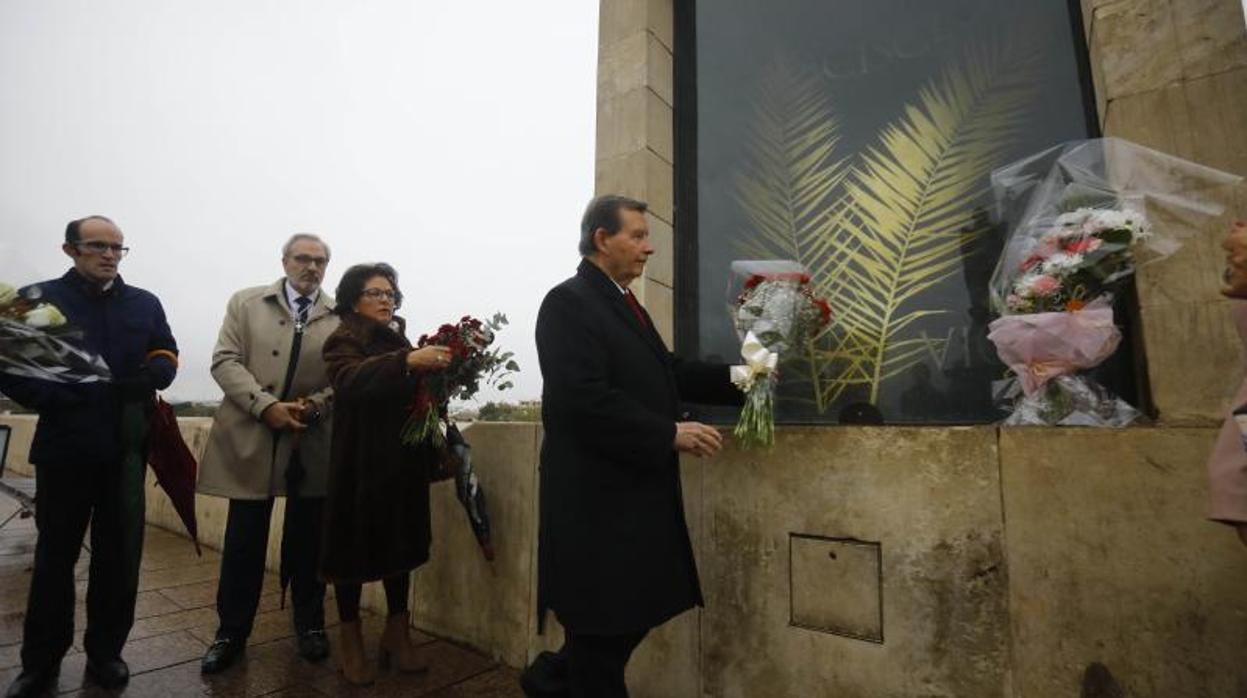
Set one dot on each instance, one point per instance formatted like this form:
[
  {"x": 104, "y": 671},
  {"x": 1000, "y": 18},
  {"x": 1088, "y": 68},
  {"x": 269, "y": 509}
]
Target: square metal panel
[{"x": 836, "y": 586}]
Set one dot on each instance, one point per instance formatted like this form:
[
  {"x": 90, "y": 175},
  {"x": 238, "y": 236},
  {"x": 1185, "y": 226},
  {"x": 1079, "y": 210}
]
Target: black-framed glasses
[
  {"x": 377, "y": 294},
  {"x": 308, "y": 260},
  {"x": 98, "y": 247}
]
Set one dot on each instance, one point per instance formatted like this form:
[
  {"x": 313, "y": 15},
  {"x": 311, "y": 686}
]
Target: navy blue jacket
[{"x": 125, "y": 324}]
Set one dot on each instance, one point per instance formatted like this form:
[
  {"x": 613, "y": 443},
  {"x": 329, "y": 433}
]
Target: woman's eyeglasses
[{"x": 377, "y": 294}]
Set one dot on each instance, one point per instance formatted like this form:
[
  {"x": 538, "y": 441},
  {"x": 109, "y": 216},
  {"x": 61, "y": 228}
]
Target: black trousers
[
  {"x": 242, "y": 564},
  {"x": 596, "y": 663},
  {"x": 68, "y": 498}
]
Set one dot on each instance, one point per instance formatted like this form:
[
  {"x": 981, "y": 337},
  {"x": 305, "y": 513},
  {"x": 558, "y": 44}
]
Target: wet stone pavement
[{"x": 176, "y": 620}]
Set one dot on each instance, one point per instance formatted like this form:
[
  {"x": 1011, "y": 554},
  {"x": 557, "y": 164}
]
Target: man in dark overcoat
[
  {"x": 615, "y": 558},
  {"x": 89, "y": 455}
]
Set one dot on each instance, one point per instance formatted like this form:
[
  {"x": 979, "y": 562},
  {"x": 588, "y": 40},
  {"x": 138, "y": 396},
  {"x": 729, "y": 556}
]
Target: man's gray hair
[
  {"x": 285, "y": 249},
  {"x": 603, "y": 212}
]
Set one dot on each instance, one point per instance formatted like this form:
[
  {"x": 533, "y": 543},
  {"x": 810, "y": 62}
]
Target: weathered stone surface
[
  {"x": 460, "y": 594},
  {"x": 930, "y": 496},
  {"x": 852, "y": 569},
  {"x": 1202, "y": 120},
  {"x": 633, "y": 121},
  {"x": 637, "y": 61},
  {"x": 661, "y": 266},
  {"x": 620, "y": 19},
  {"x": 1193, "y": 360},
  {"x": 1137, "y": 46},
  {"x": 1218, "y": 109},
  {"x": 1211, "y": 36},
  {"x": 641, "y": 175},
  {"x": 1111, "y": 561}
]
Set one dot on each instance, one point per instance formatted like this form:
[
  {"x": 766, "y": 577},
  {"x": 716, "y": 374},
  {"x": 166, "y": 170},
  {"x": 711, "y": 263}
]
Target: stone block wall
[
  {"x": 858, "y": 561},
  {"x": 1172, "y": 75},
  {"x": 635, "y": 127}
]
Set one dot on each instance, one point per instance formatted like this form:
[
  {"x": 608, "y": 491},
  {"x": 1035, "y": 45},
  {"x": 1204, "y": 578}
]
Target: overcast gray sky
[{"x": 451, "y": 139}]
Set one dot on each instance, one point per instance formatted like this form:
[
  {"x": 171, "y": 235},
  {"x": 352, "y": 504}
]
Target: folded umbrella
[
  {"x": 469, "y": 490},
  {"x": 293, "y": 547},
  {"x": 174, "y": 466}
]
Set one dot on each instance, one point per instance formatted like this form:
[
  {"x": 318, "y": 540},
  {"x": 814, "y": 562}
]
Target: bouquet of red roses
[{"x": 472, "y": 363}]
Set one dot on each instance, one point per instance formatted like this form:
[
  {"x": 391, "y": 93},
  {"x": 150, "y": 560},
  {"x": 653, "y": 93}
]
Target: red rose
[{"x": 824, "y": 309}]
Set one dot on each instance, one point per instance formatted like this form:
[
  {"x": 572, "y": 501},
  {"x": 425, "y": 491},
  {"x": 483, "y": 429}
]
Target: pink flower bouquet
[{"x": 1078, "y": 231}]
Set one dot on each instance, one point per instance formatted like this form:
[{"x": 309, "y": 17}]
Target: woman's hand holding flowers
[{"x": 429, "y": 358}]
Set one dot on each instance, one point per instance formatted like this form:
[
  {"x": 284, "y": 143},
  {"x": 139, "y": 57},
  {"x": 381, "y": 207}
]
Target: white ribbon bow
[{"x": 759, "y": 362}]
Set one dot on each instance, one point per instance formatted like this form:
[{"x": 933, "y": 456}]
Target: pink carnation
[{"x": 1044, "y": 285}]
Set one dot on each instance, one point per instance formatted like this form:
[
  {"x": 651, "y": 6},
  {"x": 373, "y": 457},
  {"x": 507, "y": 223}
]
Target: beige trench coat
[
  {"x": 250, "y": 363},
  {"x": 1227, "y": 467}
]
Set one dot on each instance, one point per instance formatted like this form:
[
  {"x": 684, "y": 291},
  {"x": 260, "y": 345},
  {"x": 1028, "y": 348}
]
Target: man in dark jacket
[
  {"x": 614, "y": 553},
  {"x": 89, "y": 460}
]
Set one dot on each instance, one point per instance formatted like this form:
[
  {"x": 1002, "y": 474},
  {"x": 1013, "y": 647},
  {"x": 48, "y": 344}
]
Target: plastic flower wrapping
[
  {"x": 37, "y": 342},
  {"x": 1082, "y": 217},
  {"x": 773, "y": 309}
]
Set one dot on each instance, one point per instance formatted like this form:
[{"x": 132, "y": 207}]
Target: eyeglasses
[
  {"x": 308, "y": 260},
  {"x": 379, "y": 293},
  {"x": 97, "y": 247}
]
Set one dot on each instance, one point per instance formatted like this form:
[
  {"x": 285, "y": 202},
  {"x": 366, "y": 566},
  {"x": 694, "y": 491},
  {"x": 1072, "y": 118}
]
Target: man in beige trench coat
[{"x": 270, "y": 438}]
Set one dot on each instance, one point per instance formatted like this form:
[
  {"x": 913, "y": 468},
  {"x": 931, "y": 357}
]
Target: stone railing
[{"x": 887, "y": 561}]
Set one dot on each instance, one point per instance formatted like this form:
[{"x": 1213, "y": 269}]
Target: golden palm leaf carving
[
  {"x": 793, "y": 185},
  {"x": 910, "y": 208},
  {"x": 791, "y": 175}
]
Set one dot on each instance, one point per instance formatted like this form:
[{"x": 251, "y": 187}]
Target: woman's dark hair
[{"x": 351, "y": 287}]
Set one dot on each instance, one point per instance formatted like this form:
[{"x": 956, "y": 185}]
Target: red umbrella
[{"x": 174, "y": 465}]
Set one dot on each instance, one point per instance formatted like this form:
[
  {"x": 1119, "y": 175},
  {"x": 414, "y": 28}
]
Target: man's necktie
[
  {"x": 636, "y": 308},
  {"x": 301, "y": 314}
]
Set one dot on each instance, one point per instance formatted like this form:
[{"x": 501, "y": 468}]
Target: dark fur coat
[{"x": 377, "y": 520}]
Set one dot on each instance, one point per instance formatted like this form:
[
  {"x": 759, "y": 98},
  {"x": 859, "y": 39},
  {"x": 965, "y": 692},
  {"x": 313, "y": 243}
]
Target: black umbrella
[{"x": 469, "y": 490}]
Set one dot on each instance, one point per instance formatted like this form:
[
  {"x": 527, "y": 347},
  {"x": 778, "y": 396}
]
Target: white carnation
[{"x": 1062, "y": 262}]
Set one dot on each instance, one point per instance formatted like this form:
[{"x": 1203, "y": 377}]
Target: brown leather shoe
[
  {"x": 396, "y": 647},
  {"x": 355, "y": 669}
]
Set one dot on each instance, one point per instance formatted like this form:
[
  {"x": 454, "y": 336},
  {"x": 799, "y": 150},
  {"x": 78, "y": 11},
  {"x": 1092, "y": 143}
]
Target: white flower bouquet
[
  {"x": 774, "y": 310},
  {"x": 36, "y": 341}
]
